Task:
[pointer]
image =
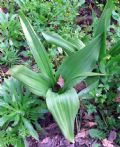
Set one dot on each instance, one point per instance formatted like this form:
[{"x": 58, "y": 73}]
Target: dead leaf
[
  {"x": 82, "y": 134},
  {"x": 91, "y": 124},
  {"x": 82, "y": 141},
  {"x": 3, "y": 10},
  {"x": 107, "y": 143},
  {"x": 8, "y": 73},
  {"x": 80, "y": 86},
  {"x": 117, "y": 100},
  {"x": 112, "y": 136},
  {"x": 46, "y": 140},
  {"x": 88, "y": 117},
  {"x": 60, "y": 81}
]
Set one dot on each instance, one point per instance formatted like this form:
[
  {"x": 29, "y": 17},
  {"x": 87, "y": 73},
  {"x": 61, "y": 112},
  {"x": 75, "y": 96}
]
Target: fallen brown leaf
[
  {"x": 82, "y": 141},
  {"x": 8, "y": 73},
  {"x": 3, "y": 10},
  {"x": 60, "y": 81},
  {"x": 91, "y": 124},
  {"x": 112, "y": 136},
  {"x": 107, "y": 143},
  {"x": 82, "y": 134},
  {"x": 88, "y": 117},
  {"x": 80, "y": 86},
  {"x": 46, "y": 140},
  {"x": 117, "y": 100}
]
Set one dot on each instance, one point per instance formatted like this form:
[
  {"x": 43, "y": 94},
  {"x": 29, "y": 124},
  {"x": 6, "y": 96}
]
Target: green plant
[
  {"x": 57, "y": 86},
  {"x": 53, "y": 16},
  {"x": 109, "y": 56},
  {"x": 10, "y": 35},
  {"x": 95, "y": 133},
  {"x": 8, "y": 137},
  {"x": 115, "y": 25},
  {"x": 9, "y": 56},
  {"x": 19, "y": 111},
  {"x": 105, "y": 93},
  {"x": 50, "y": 84},
  {"x": 105, "y": 59},
  {"x": 91, "y": 109},
  {"x": 8, "y": 24}
]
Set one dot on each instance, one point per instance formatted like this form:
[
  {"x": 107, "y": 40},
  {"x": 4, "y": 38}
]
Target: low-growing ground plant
[
  {"x": 105, "y": 96},
  {"x": 10, "y": 38},
  {"x": 58, "y": 16},
  {"x": 19, "y": 113}
]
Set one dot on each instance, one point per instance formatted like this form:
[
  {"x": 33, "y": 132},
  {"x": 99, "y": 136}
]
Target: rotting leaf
[
  {"x": 82, "y": 134},
  {"x": 60, "y": 81},
  {"x": 91, "y": 124},
  {"x": 112, "y": 136},
  {"x": 117, "y": 100},
  {"x": 107, "y": 143}
]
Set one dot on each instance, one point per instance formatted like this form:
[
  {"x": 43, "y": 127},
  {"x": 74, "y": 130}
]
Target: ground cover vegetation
[{"x": 59, "y": 60}]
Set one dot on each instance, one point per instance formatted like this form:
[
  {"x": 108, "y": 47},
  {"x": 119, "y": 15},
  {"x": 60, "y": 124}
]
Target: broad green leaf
[
  {"x": 78, "y": 43},
  {"x": 30, "y": 128},
  {"x": 79, "y": 63},
  {"x": 87, "y": 74},
  {"x": 4, "y": 104},
  {"x": 20, "y": 143},
  {"x": 16, "y": 120},
  {"x": 102, "y": 26},
  {"x": 37, "y": 48},
  {"x": 35, "y": 81},
  {"x": 84, "y": 75},
  {"x": 3, "y": 120},
  {"x": 64, "y": 108},
  {"x": 59, "y": 41},
  {"x": 6, "y": 118},
  {"x": 115, "y": 50},
  {"x": 69, "y": 46}
]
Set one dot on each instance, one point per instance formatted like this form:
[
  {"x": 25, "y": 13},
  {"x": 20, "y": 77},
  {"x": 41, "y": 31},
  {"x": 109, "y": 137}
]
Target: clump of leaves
[
  {"x": 19, "y": 111},
  {"x": 52, "y": 15},
  {"x": 8, "y": 137},
  {"x": 8, "y": 56},
  {"x": 9, "y": 36},
  {"x": 61, "y": 98},
  {"x": 44, "y": 83},
  {"x": 105, "y": 93},
  {"x": 97, "y": 134}
]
